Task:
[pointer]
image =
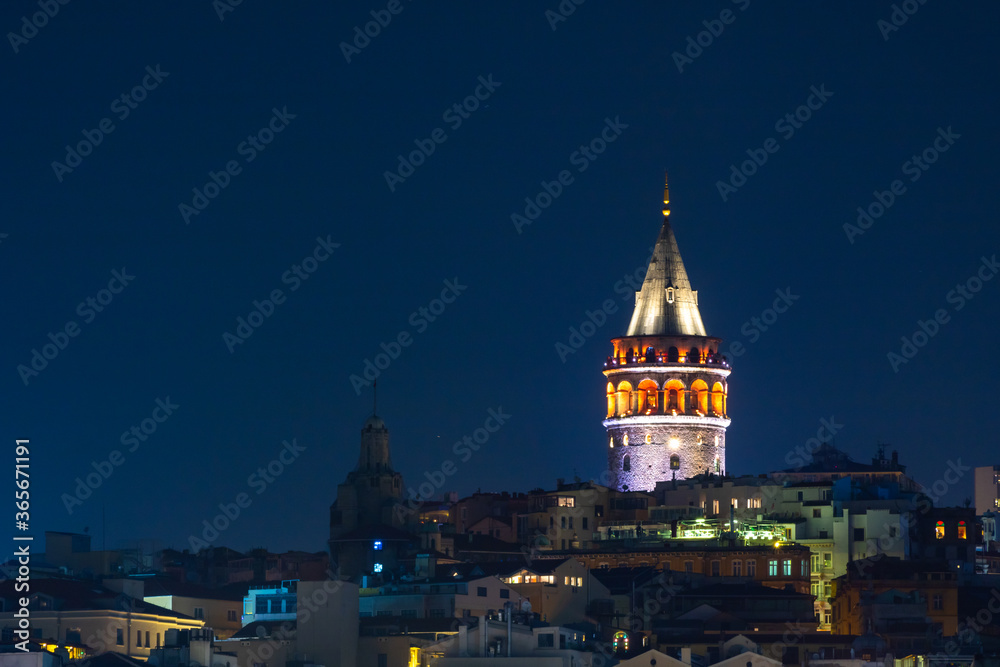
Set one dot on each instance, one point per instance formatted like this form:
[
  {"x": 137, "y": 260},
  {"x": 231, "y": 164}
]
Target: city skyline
[{"x": 249, "y": 230}]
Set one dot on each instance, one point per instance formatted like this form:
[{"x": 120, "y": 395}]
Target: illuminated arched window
[
  {"x": 961, "y": 530},
  {"x": 939, "y": 530},
  {"x": 621, "y": 642},
  {"x": 611, "y": 400},
  {"x": 627, "y": 463},
  {"x": 647, "y": 397},
  {"x": 623, "y": 399},
  {"x": 674, "y": 395},
  {"x": 699, "y": 396},
  {"x": 675, "y": 462},
  {"x": 718, "y": 399}
]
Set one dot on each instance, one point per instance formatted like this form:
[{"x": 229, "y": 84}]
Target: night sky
[{"x": 313, "y": 184}]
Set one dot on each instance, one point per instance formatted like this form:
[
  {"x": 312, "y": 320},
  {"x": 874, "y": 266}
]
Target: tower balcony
[
  {"x": 716, "y": 361},
  {"x": 712, "y": 420}
]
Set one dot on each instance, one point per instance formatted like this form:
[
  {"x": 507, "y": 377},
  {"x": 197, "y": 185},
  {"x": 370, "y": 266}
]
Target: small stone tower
[
  {"x": 667, "y": 383},
  {"x": 372, "y": 491}
]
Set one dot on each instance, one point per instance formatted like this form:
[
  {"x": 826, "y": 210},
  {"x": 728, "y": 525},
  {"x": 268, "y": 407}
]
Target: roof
[
  {"x": 76, "y": 595},
  {"x": 828, "y": 458},
  {"x": 621, "y": 579},
  {"x": 666, "y": 305},
  {"x": 265, "y": 629},
  {"x": 742, "y": 590},
  {"x": 161, "y": 586}
]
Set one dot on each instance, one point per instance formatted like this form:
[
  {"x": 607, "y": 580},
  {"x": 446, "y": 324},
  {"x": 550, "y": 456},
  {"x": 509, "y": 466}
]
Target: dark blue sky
[{"x": 342, "y": 126}]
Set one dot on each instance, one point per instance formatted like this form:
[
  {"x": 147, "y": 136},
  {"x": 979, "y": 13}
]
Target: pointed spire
[{"x": 666, "y": 305}]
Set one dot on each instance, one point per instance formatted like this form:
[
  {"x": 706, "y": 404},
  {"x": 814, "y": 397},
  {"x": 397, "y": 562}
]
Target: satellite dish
[
  {"x": 261, "y": 631},
  {"x": 526, "y": 606}
]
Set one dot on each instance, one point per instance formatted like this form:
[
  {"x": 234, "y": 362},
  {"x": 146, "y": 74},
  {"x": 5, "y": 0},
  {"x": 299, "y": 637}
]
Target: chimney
[
  {"x": 463, "y": 640},
  {"x": 483, "y": 631},
  {"x": 686, "y": 655}
]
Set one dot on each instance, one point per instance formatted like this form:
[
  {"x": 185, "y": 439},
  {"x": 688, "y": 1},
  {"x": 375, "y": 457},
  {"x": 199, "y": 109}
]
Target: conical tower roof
[{"x": 666, "y": 305}]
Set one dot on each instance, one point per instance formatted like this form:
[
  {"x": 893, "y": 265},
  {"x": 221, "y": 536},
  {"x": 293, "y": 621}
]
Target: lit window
[
  {"x": 961, "y": 530},
  {"x": 735, "y": 503},
  {"x": 715, "y": 507},
  {"x": 377, "y": 567},
  {"x": 786, "y": 568},
  {"x": 377, "y": 546},
  {"x": 939, "y": 530},
  {"x": 772, "y": 568}
]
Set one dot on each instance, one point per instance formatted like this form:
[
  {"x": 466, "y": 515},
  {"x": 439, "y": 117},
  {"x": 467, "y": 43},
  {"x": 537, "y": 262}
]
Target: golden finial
[{"x": 666, "y": 195}]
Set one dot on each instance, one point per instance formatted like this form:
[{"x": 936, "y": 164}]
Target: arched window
[
  {"x": 647, "y": 397},
  {"x": 718, "y": 400},
  {"x": 699, "y": 396},
  {"x": 627, "y": 463},
  {"x": 621, "y": 642},
  {"x": 939, "y": 530},
  {"x": 675, "y": 462},
  {"x": 611, "y": 400},
  {"x": 673, "y": 354},
  {"x": 623, "y": 399},
  {"x": 694, "y": 356},
  {"x": 961, "y": 530},
  {"x": 674, "y": 396}
]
